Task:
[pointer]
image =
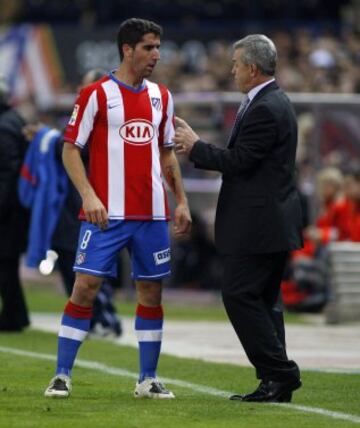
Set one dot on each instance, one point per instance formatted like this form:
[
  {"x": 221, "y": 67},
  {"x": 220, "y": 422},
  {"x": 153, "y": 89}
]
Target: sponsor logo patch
[
  {"x": 74, "y": 115},
  {"x": 80, "y": 258},
  {"x": 137, "y": 132},
  {"x": 162, "y": 256}
]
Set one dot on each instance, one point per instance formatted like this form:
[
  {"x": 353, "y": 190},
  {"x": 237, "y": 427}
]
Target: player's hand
[
  {"x": 182, "y": 220},
  {"x": 185, "y": 137},
  {"x": 95, "y": 211}
]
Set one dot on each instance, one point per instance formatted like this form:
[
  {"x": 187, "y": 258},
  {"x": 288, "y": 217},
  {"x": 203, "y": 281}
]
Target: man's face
[
  {"x": 242, "y": 72},
  {"x": 145, "y": 55}
]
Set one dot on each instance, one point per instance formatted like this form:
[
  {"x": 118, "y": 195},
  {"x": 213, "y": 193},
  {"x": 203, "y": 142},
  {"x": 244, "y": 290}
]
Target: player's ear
[{"x": 127, "y": 50}]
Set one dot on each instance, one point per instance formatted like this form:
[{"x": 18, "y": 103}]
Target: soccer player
[{"x": 127, "y": 123}]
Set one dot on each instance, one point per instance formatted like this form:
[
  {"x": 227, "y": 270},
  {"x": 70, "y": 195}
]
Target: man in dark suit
[
  {"x": 258, "y": 218},
  {"x": 14, "y": 219}
]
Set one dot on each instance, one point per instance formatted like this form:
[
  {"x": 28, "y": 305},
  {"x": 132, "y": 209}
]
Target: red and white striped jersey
[{"x": 124, "y": 129}]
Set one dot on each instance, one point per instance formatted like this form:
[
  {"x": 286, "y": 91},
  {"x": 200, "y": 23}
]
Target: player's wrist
[
  {"x": 183, "y": 202},
  {"x": 87, "y": 192}
]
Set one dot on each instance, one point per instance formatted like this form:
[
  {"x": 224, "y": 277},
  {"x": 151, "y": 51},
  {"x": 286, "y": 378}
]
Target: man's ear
[
  {"x": 127, "y": 50},
  {"x": 254, "y": 70}
]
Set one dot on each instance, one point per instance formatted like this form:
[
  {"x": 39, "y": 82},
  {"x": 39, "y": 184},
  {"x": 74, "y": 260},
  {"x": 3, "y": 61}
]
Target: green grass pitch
[{"x": 103, "y": 394}]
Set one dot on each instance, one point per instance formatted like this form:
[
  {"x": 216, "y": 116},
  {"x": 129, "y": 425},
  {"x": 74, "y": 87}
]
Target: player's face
[
  {"x": 242, "y": 72},
  {"x": 145, "y": 55}
]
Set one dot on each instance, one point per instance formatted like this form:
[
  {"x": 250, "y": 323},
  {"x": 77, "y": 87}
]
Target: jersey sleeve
[
  {"x": 81, "y": 121},
  {"x": 167, "y": 126}
]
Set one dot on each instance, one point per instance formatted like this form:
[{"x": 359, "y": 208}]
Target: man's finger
[
  {"x": 92, "y": 216},
  {"x": 98, "y": 218},
  {"x": 104, "y": 219},
  {"x": 87, "y": 217},
  {"x": 181, "y": 122},
  {"x": 179, "y": 148},
  {"x": 101, "y": 218}
]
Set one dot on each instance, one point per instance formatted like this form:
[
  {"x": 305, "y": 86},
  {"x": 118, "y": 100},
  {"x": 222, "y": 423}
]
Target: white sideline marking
[
  {"x": 93, "y": 365},
  {"x": 333, "y": 371}
]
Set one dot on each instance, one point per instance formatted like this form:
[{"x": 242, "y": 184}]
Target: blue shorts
[{"x": 148, "y": 244}]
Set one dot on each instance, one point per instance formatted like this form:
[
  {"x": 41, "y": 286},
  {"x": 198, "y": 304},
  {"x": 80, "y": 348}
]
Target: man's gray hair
[{"x": 260, "y": 50}]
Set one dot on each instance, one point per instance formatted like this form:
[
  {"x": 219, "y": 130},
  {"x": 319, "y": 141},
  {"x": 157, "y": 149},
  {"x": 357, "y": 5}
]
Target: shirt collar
[
  {"x": 254, "y": 91},
  {"x": 130, "y": 88}
]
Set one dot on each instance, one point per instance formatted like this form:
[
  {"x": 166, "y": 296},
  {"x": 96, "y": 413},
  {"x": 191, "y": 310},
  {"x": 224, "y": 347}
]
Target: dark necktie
[{"x": 243, "y": 106}]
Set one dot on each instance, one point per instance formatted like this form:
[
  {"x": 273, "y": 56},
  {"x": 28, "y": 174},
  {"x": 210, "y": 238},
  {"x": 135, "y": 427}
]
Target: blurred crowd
[
  {"x": 326, "y": 60},
  {"x": 318, "y": 41},
  {"x": 307, "y": 282},
  {"x": 307, "y": 63},
  {"x": 90, "y": 13}
]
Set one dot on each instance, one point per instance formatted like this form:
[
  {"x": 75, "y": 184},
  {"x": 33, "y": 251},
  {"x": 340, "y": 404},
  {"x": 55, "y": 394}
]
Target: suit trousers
[
  {"x": 14, "y": 313},
  {"x": 252, "y": 299}
]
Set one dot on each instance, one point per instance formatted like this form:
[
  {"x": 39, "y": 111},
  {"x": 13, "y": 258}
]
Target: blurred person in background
[
  {"x": 306, "y": 285},
  {"x": 258, "y": 217},
  {"x": 338, "y": 218},
  {"x": 14, "y": 219},
  {"x": 346, "y": 219},
  {"x": 329, "y": 193}
]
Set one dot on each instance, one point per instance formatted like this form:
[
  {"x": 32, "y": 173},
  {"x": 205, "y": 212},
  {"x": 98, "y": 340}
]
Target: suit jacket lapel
[{"x": 268, "y": 88}]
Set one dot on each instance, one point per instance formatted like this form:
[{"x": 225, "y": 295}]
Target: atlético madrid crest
[
  {"x": 80, "y": 258},
  {"x": 156, "y": 103}
]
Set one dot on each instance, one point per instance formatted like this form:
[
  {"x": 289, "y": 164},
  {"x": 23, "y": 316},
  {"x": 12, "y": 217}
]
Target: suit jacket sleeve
[{"x": 254, "y": 141}]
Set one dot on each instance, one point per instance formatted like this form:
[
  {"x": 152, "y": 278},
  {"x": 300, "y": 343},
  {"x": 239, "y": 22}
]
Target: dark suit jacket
[
  {"x": 14, "y": 219},
  {"x": 258, "y": 209}
]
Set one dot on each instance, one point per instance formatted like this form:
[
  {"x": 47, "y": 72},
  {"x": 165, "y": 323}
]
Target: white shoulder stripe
[{"x": 87, "y": 120}]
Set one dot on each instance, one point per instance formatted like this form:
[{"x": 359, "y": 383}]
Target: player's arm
[
  {"x": 94, "y": 209},
  {"x": 171, "y": 171}
]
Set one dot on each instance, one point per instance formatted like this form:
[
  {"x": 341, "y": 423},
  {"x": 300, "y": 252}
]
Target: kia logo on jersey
[{"x": 137, "y": 131}]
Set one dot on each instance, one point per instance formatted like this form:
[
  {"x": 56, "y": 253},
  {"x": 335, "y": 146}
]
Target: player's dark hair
[{"x": 132, "y": 31}]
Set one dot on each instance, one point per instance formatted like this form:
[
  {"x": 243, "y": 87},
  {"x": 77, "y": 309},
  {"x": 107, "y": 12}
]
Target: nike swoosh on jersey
[{"x": 113, "y": 106}]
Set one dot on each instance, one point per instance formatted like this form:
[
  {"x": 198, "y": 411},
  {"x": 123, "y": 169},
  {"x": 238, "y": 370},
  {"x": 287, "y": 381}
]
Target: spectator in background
[
  {"x": 346, "y": 219},
  {"x": 306, "y": 285},
  {"x": 339, "y": 217},
  {"x": 13, "y": 217},
  {"x": 330, "y": 191}
]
